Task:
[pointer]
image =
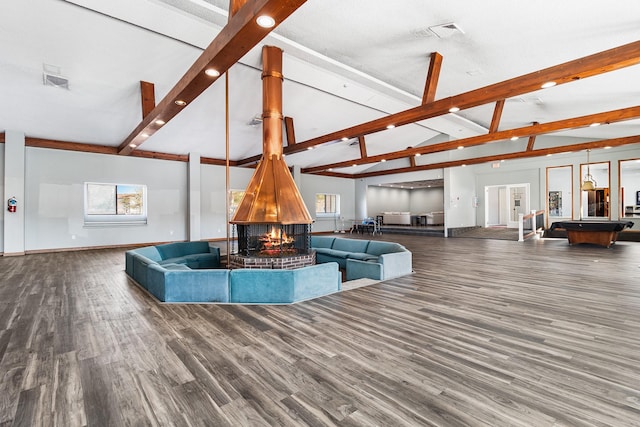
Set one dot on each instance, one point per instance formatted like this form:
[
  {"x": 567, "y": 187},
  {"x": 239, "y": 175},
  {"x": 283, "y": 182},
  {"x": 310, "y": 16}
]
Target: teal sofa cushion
[
  {"x": 322, "y": 241},
  {"x": 362, "y": 257},
  {"x": 284, "y": 286},
  {"x": 178, "y": 283},
  {"x": 379, "y": 248},
  {"x": 350, "y": 245},
  {"x": 179, "y": 249}
]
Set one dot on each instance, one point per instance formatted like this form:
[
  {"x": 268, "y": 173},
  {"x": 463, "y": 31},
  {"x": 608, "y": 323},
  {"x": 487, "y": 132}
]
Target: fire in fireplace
[{"x": 273, "y": 240}]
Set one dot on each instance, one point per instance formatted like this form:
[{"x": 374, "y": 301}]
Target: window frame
[
  {"x": 335, "y": 212},
  {"x": 109, "y": 219}
]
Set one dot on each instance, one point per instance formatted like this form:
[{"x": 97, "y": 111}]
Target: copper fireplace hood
[{"x": 272, "y": 196}]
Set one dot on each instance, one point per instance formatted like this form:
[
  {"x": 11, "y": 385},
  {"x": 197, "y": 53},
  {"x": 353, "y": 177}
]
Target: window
[
  {"x": 115, "y": 204},
  {"x": 327, "y": 204}
]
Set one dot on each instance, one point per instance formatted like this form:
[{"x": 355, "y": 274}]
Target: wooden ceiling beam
[
  {"x": 237, "y": 38},
  {"x": 363, "y": 147},
  {"x": 2, "y": 137},
  {"x": 592, "y": 65},
  {"x": 533, "y": 129},
  {"x": 497, "y": 115},
  {"x": 429, "y": 94},
  {"x": 289, "y": 131},
  {"x": 532, "y": 140},
  {"x": 616, "y": 142},
  {"x": 147, "y": 97}
]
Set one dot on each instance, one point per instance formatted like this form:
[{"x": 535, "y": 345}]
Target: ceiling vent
[
  {"x": 256, "y": 120},
  {"x": 55, "y": 81},
  {"x": 444, "y": 31}
]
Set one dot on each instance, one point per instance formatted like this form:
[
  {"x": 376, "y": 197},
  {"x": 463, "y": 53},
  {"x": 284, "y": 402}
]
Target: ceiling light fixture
[
  {"x": 309, "y": 148},
  {"x": 464, "y": 166},
  {"x": 588, "y": 183},
  {"x": 145, "y": 135},
  {"x": 454, "y": 109},
  {"x": 132, "y": 145},
  {"x": 160, "y": 122},
  {"x": 344, "y": 138},
  {"x": 212, "y": 72},
  {"x": 265, "y": 21},
  {"x": 383, "y": 160},
  {"x": 180, "y": 102},
  {"x": 548, "y": 85},
  {"x": 391, "y": 126},
  {"x": 515, "y": 138},
  {"x": 418, "y": 154},
  {"x": 592, "y": 125},
  {"x": 460, "y": 147},
  {"x": 608, "y": 147}
]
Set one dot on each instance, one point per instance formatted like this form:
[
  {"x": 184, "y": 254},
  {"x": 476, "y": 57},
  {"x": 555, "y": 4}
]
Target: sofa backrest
[
  {"x": 322, "y": 241},
  {"x": 350, "y": 245},
  {"x": 378, "y": 248},
  {"x": 149, "y": 252},
  {"x": 178, "y": 249}
]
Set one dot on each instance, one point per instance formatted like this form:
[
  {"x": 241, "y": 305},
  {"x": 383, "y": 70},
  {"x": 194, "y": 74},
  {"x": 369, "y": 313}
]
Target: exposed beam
[
  {"x": 148, "y": 97},
  {"x": 235, "y": 6},
  {"x": 616, "y": 142},
  {"x": 290, "y": 132},
  {"x": 429, "y": 94},
  {"x": 412, "y": 161},
  {"x": 2, "y": 137},
  {"x": 69, "y": 146},
  {"x": 532, "y": 140},
  {"x": 534, "y": 129},
  {"x": 363, "y": 147},
  {"x": 497, "y": 115},
  {"x": 599, "y": 63},
  {"x": 237, "y": 38}
]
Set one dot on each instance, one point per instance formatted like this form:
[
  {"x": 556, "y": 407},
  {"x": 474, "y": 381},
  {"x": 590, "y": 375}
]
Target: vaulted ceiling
[{"x": 346, "y": 63}]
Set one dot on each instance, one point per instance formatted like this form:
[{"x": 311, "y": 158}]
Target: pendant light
[{"x": 588, "y": 183}]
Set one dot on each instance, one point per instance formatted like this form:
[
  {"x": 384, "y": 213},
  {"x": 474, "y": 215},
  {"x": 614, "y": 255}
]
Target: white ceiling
[{"x": 346, "y": 62}]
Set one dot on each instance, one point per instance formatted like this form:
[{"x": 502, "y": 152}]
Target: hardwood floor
[{"x": 485, "y": 333}]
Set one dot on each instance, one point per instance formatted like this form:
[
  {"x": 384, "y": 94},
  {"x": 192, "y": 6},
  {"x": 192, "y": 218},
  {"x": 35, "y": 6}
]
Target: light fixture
[
  {"x": 514, "y": 138},
  {"x": 418, "y": 154},
  {"x": 608, "y": 147},
  {"x": 391, "y": 126},
  {"x": 132, "y": 145},
  {"x": 460, "y": 147},
  {"x": 265, "y": 21},
  {"x": 180, "y": 102},
  {"x": 592, "y": 125},
  {"x": 212, "y": 72},
  {"x": 464, "y": 166},
  {"x": 454, "y": 109},
  {"x": 160, "y": 122},
  {"x": 588, "y": 183},
  {"x": 383, "y": 160},
  {"x": 309, "y": 148},
  {"x": 548, "y": 85},
  {"x": 344, "y": 138},
  {"x": 145, "y": 135}
]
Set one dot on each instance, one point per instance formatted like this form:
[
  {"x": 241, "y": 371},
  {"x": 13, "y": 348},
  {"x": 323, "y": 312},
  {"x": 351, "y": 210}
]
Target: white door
[{"x": 517, "y": 202}]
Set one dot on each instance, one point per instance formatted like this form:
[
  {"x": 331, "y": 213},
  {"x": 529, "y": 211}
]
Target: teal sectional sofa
[
  {"x": 364, "y": 258},
  {"x": 189, "y": 272}
]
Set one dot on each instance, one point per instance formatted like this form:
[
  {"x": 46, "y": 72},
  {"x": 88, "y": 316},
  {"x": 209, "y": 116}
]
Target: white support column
[
  {"x": 14, "y": 173},
  {"x": 361, "y": 199},
  {"x": 194, "y": 197}
]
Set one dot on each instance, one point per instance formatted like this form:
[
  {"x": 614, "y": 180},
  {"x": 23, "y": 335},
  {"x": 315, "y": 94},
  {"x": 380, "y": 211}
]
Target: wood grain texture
[{"x": 484, "y": 333}]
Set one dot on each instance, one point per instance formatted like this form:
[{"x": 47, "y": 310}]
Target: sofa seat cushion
[
  {"x": 175, "y": 267},
  {"x": 378, "y": 248},
  {"x": 350, "y": 245},
  {"x": 324, "y": 251},
  {"x": 363, "y": 256},
  {"x": 149, "y": 252},
  {"x": 338, "y": 254}
]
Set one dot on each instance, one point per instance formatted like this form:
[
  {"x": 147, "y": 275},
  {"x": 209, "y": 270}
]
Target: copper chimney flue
[{"x": 272, "y": 196}]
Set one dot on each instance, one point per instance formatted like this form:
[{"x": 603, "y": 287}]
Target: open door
[{"x": 518, "y": 203}]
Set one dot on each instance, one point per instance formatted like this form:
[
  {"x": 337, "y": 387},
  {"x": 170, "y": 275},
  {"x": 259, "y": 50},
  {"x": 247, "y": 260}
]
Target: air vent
[
  {"x": 255, "y": 121},
  {"x": 55, "y": 81},
  {"x": 444, "y": 31}
]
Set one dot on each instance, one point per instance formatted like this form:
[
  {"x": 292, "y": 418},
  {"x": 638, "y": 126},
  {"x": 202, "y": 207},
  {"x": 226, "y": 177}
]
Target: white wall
[
  {"x": 387, "y": 199},
  {"x": 54, "y": 201},
  {"x": 424, "y": 200},
  {"x": 313, "y": 184},
  {"x": 459, "y": 193}
]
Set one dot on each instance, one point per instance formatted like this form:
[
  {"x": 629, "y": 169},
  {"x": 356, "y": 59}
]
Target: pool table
[{"x": 603, "y": 233}]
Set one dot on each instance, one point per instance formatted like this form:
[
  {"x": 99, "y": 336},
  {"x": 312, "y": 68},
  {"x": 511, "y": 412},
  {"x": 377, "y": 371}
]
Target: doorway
[{"x": 504, "y": 204}]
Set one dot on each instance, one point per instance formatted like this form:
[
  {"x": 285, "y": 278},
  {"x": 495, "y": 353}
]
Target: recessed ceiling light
[
  {"x": 330, "y": 169},
  {"x": 383, "y": 160},
  {"x": 354, "y": 165},
  {"x": 549, "y": 155},
  {"x": 145, "y": 135},
  {"x": 460, "y": 147},
  {"x": 502, "y": 161},
  {"x": 548, "y": 85},
  {"x": 607, "y": 147},
  {"x": 132, "y": 145},
  {"x": 592, "y": 125},
  {"x": 180, "y": 102},
  {"x": 160, "y": 122},
  {"x": 212, "y": 72},
  {"x": 454, "y": 109},
  {"x": 514, "y": 138},
  {"x": 344, "y": 138},
  {"x": 265, "y": 21},
  {"x": 309, "y": 148},
  {"x": 464, "y": 166},
  {"x": 418, "y": 154},
  {"x": 391, "y": 126}
]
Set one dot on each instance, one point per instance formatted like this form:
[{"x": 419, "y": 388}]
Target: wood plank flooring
[{"x": 485, "y": 333}]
